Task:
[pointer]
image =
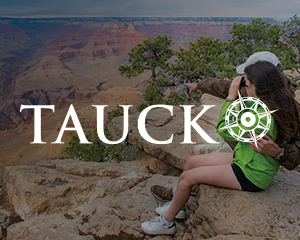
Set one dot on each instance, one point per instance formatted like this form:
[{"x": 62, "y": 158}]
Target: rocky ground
[
  {"x": 69, "y": 199},
  {"x": 7, "y": 213}
]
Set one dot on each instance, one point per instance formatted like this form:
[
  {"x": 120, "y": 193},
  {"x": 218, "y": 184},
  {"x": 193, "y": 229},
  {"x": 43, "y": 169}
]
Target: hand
[
  {"x": 192, "y": 87},
  {"x": 266, "y": 145},
  {"x": 234, "y": 87}
]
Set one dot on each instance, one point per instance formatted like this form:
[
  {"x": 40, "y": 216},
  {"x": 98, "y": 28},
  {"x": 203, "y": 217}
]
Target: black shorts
[{"x": 244, "y": 182}]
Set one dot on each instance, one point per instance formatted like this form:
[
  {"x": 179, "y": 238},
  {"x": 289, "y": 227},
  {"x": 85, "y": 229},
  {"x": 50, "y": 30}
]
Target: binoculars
[{"x": 243, "y": 82}]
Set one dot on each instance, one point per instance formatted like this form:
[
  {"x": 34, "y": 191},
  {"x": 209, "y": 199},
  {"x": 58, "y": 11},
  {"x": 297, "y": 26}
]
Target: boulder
[
  {"x": 155, "y": 165},
  {"x": 69, "y": 199},
  {"x": 211, "y": 116},
  {"x": 52, "y": 186},
  {"x": 271, "y": 214},
  {"x": 161, "y": 125}
]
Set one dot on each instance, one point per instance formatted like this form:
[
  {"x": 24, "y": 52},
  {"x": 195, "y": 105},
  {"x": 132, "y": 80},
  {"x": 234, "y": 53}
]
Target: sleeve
[
  {"x": 223, "y": 132},
  {"x": 291, "y": 158},
  {"x": 214, "y": 86}
]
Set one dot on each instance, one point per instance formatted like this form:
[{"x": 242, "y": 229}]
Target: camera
[{"x": 243, "y": 82}]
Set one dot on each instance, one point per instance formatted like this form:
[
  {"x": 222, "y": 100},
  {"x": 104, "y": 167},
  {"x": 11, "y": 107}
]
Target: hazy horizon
[
  {"x": 69, "y": 16},
  {"x": 275, "y": 9}
]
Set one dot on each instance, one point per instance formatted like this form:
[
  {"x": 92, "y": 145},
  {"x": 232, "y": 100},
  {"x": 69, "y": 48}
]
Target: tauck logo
[{"x": 243, "y": 118}]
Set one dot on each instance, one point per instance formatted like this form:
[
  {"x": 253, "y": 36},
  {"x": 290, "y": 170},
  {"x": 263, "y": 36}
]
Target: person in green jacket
[{"x": 245, "y": 169}]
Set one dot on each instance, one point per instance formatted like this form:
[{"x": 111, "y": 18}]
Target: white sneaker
[
  {"x": 157, "y": 226},
  {"x": 163, "y": 209}
]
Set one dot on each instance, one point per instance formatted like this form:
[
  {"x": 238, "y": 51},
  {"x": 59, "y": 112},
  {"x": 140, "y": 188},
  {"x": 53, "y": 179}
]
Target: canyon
[
  {"x": 55, "y": 61},
  {"x": 74, "y": 61},
  {"x": 63, "y": 61},
  {"x": 72, "y": 199}
]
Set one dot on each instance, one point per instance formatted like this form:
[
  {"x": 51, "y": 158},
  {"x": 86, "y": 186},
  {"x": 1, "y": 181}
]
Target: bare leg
[
  {"x": 220, "y": 175},
  {"x": 211, "y": 159}
]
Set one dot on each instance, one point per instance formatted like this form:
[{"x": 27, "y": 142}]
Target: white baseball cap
[{"x": 258, "y": 56}]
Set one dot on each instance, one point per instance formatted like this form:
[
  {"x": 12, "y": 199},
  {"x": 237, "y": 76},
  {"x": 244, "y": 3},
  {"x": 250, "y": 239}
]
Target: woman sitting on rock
[{"x": 245, "y": 169}]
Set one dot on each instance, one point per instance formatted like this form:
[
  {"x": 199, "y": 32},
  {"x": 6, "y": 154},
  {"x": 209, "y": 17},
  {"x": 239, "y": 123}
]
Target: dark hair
[{"x": 273, "y": 91}]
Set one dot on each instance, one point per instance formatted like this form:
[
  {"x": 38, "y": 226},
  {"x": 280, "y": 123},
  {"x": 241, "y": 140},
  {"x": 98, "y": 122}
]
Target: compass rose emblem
[{"x": 242, "y": 117}]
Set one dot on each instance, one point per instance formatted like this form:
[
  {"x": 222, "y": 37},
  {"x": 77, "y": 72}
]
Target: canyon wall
[
  {"x": 55, "y": 61},
  {"x": 75, "y": 61}
]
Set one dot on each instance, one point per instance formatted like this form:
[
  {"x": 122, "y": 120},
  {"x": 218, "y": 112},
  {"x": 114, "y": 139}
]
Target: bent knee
[{"x": 185, "y": 180}]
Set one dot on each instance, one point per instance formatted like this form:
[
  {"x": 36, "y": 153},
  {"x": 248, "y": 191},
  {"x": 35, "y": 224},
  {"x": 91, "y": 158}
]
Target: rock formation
[
  {"x": 69, "y": 199},
  {"x": 74, "y": 60},
  {"x": 161, "y": 125},
  {"x": 54, "y": 55},
  {"x": 65, "y": 199},
  {"x": 59, "y": 63}
]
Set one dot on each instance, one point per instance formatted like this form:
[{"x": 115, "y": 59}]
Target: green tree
[
  {"x": 152, "y": 95},
  {"x": 206, "y": 57},
  {"x": 258, "y": 35},
  {"x": 152, "y": 55},
  {"x": 95, "y": 152},
  {"x": 290, "y": 33},
  {"x": 99, "y": 151}
]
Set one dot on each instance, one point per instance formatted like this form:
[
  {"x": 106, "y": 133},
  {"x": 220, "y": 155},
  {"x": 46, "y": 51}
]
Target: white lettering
[
  {"x": 100, "y": 123},
  {"x": 188, "y": 124},
  {"x": 37, "y": 120},
  {"x": 142, "y": 124},
  {"x": 77, "y": 127}
]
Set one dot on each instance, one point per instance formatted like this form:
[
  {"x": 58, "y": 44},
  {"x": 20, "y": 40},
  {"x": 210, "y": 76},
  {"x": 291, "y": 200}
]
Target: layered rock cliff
[
  {"x": 52, "y": 56},
  {"x": 57, "y": 62}
]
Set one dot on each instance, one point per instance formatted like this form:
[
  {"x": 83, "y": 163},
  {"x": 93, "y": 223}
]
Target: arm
[
  {"x": 267, "y": 146},
  {"x": 291, "y": 157},
  {"x": 214, "y": 86}
]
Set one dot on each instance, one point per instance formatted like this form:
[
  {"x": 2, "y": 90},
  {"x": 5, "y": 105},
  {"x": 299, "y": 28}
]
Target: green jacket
[
  {"x": 259, "y": 168},
  {"x": 219, "y": 88}
]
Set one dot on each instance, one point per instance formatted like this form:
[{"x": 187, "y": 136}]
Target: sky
[{"x": 277, "y": 9}]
